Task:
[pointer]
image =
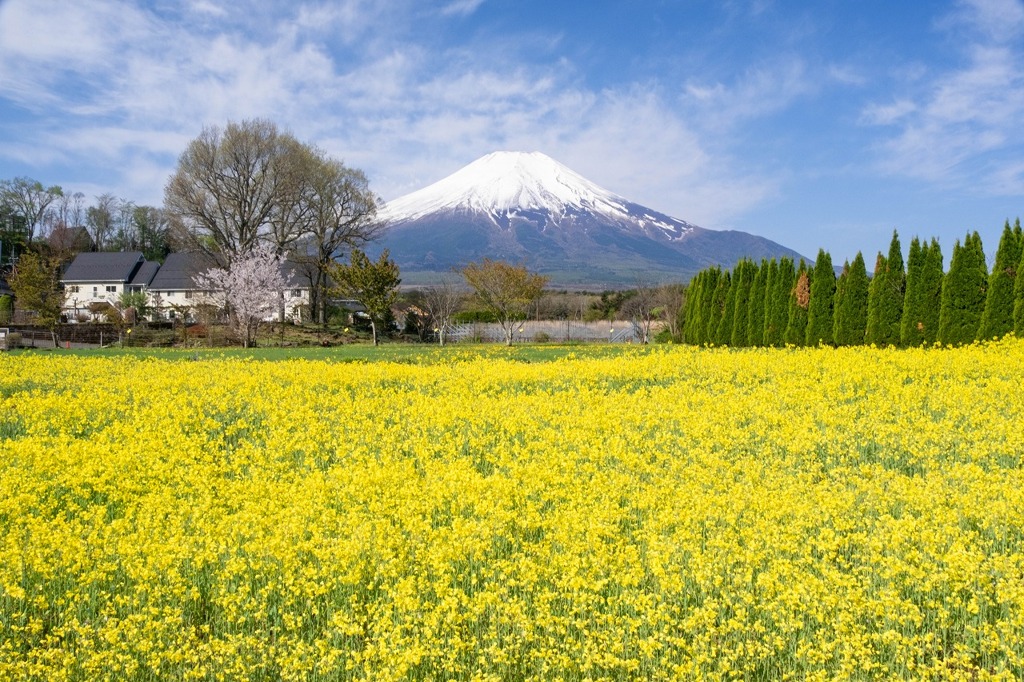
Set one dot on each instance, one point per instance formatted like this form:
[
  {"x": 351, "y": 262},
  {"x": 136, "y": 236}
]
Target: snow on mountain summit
[
  {"x": 507, "y": 183},
  {"x": 528, "y": 208}
]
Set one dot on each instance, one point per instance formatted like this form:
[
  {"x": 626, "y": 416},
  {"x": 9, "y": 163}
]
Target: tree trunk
[{"x": 373, "y": 330}]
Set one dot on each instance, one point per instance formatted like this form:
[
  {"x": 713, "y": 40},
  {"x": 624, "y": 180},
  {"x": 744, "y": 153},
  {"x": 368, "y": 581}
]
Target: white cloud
[
  {"x": 999, "y": 20},
  {"x": 461, "y": 7},
  {"x": 207, "y": 7},
  {"x": 765, "y": 89},
  {"x": 846, "y": 75},
  {"x": 962, "y": 126},
  {"x": 146, "y": 83},
  {"x": 887, "y": 114}
]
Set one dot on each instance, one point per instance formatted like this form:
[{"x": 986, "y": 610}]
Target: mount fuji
[{"x": 528, "y": 208}]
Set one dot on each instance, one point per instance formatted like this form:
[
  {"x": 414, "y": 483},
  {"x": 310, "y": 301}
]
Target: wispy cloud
[
  {"x": 764, "y": 89},
  {"x": 148, "y": 82},
  {"x": 964, "y": 122},
  {"x": 461, "y": 7}
]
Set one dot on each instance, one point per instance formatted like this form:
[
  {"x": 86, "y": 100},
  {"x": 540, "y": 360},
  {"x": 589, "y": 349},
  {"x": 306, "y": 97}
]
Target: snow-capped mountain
[{"x": 527, "y": 207}]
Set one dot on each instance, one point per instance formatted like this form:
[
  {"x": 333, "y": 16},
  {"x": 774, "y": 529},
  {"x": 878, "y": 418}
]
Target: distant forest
[{"x": 66, "y": 223}]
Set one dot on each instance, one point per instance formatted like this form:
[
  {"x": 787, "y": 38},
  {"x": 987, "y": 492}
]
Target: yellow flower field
[{"x": 676, "y": 513}]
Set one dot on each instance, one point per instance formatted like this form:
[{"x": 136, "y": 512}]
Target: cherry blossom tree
[{"x": 250, "y": 289}]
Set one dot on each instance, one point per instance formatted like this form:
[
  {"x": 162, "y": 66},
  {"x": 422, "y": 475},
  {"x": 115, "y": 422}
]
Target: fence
[
  {"x": 74, "y": 334},
  {"x": 558, "y": 331}
]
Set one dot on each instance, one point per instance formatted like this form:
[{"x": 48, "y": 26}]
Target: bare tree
[
  {"x": 126, "y": 234},
  {"x": 505, "y": 290},
  {"x": 29, "y": 199},
  {"x": 237, "y": 187},
  {"x": 100, "y": 220},
  {"x": 250, "y": 288},
  {"x": 342, "y": 214},
  {"x": 641, "y": 309},
  {"x": 441, "y": 302},
  {"x": 76, "y": 210},
  {"x": 669, "y": 300}
]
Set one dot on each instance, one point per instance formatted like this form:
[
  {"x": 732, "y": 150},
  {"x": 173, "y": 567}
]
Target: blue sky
[{"x": 824, "y": 124}]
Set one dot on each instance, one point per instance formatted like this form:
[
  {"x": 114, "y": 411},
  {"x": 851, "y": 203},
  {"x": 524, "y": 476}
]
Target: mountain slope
[{"x": 526, "y": 207}]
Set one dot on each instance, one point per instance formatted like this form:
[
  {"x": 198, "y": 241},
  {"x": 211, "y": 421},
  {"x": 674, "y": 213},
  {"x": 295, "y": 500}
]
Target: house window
[
  {"x": 188, "y": 294},
  {"x": 95, "y": 291},
  {"x": 171, "y": 293},
  {"x": 73, "y": 289},
  {"x": 296, "y": 293},
  {"x": 111, "y": 288}
]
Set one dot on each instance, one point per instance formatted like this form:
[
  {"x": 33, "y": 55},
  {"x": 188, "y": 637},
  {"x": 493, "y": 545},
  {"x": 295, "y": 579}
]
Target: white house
[
  {"x": 102, "y": 278},
  {"x": 173, "y": 291},
  {"x": 171, "y": 287}
]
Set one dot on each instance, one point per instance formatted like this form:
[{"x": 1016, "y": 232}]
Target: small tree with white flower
[{"x": 249, "y": 289}]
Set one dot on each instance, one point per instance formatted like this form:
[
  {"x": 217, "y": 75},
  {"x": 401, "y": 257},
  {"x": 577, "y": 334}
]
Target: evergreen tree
[
  {"x": 745, "y": 273},
  {"x": 691, "y": 308},
  {"x": 723, "y": 334},
  {"x": 707, "y": 305},
  {"x": 1018, "y": 294},
  {"x": 823, "y": 294},
  {"x": 963, "y": 293},
  {"x": 874, "y": 293},
  {"x": 840, "y": 298},
  {"x": 997, "y": 319},
  {"x": 698, "y": 303},
  {"x": 798, "y": 302},
  {"x": 910, "y": 333},
  {"x": 758, "y": 294},
  {"x": 885, "y": 299},
  {"x": 931, "y": 293},
  {"x": 777, "y": 312},
  {"x": 852, "y": 307},
  {"x": 719, "y": 300}
]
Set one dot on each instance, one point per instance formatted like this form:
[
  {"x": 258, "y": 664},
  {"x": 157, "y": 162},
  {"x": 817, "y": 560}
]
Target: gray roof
[
  {"x": 295, "y": 275},
  {"x": 145, "y": 274},
  {"x": 179, "y": 270},
  {"x": 106, "y": 266}
]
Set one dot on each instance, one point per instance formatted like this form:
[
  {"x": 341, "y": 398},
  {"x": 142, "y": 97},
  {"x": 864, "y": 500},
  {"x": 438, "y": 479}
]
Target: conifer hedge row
[{"x": 776, "y": 303}]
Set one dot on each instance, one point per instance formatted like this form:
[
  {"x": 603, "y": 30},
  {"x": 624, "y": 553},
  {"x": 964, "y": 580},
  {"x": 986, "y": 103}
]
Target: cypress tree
[
  {"x": 885, "y": 300},
  {"x": 874, "y": 293},
  {"x": 777, "y": 311},
  {"x": 723, "y": 334},
  {"x": 837, "y": 305},
  {"x": 911, "y": 334},
  {"x": 963, "y": 293},
  {"x": 798, "y": 302},
  {"x": 823, "y": 294},
  {"x": 707, "y": 305},
  {"x": 771, "y": 274},
  {"x": 758, "y": 296},
  {"x": 692, "y": 306},
  {"x": 997, "y": 319},
  {"x": 852, "y": 307},
  {"x": 931, "y": 293},
  {"x": 719, "y": 300},
  {"x": 1018, "y": 296},
  {"x": 746, "y": 272}
]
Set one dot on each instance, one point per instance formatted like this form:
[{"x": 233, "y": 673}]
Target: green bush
[{"x": 6, "y": 309}]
